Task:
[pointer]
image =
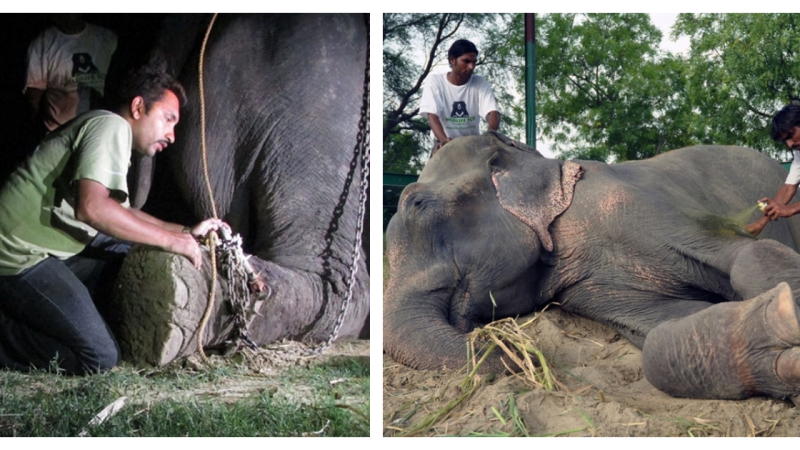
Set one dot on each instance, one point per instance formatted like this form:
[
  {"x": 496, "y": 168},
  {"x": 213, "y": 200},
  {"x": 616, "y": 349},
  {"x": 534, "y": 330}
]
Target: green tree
[
  {"x": 604, "y": 92},
  {"x": 406, "y": 135},
  {"x": 744, "y": 68}
]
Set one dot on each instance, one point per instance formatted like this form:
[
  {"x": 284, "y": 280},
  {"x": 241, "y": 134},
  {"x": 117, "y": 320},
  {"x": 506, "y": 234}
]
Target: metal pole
[{"x": 530, "y": 79}]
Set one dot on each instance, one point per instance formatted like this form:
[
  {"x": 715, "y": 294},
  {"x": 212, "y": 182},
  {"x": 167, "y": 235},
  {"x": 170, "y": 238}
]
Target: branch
[
  {"x": 754, "y": 110},
  {"x": 578, "y": 85},
  {"x": 749, "y": 106},
  {"x": 412, "y": 23}
]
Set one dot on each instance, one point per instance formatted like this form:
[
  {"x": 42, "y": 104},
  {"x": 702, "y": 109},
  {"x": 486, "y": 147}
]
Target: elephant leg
[
  {"x": 761, "y": 265},
  {"x": 302, "y": 305},
  {"x": 731, "y": 350}
]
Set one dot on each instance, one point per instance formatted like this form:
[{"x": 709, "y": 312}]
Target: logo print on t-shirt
[
  {"x": 459, "y": 110},
  {"x": 82, "y": 65}
]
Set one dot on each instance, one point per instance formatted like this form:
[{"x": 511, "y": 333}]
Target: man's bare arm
[
  {"x": 493, "y": 118},
  {"x": 437, "y": 128},
  {"x": 99, "y": 210},
  {"x": 172, "y": 227}
]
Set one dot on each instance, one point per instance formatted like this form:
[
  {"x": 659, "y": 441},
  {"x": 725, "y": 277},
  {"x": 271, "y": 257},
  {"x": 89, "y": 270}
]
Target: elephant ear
[{"x": 534, "y": 188}]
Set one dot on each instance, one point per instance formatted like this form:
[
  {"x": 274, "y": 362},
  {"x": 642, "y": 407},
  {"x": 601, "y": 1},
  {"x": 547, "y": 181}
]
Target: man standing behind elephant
[
  {"x": 67, "y": 66},
  {"x": 58, "y": 214},
  {"x": 786, "y": 129},
  {"x": 458, "y": 97}
]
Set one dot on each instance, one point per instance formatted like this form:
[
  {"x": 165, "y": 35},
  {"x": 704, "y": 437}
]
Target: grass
[
  {"x": 518, "y": 346},
  {"x": 697, "y": 427},
  {"x": 326, "y": 399}
]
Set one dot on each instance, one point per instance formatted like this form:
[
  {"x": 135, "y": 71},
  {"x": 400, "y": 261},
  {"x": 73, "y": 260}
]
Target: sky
[{"x": 664, "y": 23}]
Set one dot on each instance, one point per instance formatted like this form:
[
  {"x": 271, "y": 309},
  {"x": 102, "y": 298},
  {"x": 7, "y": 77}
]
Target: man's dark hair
[
  {"x": 460, "y": 47},
  {"x": 784, "y": 121},
  {"x": 150, "y": 81}
]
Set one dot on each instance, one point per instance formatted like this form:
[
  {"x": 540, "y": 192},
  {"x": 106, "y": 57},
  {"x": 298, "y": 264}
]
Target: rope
[
  {"x": 212, "y": 241},
  {"x": 212, "y": 244},
  {"x": 203, "y": 118}
]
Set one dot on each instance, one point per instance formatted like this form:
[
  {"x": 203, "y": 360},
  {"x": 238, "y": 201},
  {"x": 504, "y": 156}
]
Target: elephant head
[{"x": 476, "y": 222}]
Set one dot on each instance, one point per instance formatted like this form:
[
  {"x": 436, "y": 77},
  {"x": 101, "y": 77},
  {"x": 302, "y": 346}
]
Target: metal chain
[
  {"x": 360, "y": 153},
  {"x": 234, "y": 264}
]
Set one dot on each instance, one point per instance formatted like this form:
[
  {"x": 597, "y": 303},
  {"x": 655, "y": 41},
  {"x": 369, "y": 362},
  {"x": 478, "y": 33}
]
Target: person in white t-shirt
[
  {"x": 786, "y": 129},
  {"x": 456, "y": 101},
  {"x": 67, "y": 66}
]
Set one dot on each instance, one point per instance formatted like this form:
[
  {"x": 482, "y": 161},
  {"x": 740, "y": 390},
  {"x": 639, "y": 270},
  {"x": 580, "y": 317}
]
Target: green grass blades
[{"x": 329, "y": 399}]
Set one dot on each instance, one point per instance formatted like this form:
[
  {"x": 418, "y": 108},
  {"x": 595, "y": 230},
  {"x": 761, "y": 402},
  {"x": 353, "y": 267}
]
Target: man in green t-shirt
[{"x": 65, "y": 205}]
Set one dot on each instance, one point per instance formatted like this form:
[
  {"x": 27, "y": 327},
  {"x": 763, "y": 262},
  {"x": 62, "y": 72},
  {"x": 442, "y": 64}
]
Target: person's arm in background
[
  {"x": 488, "y": 106},
  {"x": 493, "y": 118},
  {"x": 429, "y": 106},
  {"x": 438, "y": 131}
]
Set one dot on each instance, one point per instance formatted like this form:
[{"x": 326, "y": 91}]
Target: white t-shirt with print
[
  {"x": 69, "y": 68},
  {"x": 459, "y": 108}
]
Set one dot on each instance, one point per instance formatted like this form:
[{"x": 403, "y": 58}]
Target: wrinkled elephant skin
[
  {"x": 654, "y": 249},
  {"x": 283, "y": 96}
]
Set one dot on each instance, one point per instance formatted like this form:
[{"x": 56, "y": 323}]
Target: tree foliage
[
  {"x": 744, "y": 68},
  {"x": 604, "y": 89},
  {"x": 406, "y": 141}
]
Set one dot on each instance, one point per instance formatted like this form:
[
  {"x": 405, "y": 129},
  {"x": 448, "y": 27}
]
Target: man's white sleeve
[
  {"x": 794, "y": 170},
  {"x": 36, "y": 75},
  {"x": 428, "y": 102}
]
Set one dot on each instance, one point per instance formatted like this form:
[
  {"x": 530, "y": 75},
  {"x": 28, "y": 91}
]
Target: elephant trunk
[{"x": 417, "y": 333}]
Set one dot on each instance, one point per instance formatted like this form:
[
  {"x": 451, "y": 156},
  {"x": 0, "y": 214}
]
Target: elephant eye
[{"x": 416, "y": 201}]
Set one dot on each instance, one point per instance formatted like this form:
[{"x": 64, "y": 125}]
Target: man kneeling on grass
[{"x": 65, "y": 225}]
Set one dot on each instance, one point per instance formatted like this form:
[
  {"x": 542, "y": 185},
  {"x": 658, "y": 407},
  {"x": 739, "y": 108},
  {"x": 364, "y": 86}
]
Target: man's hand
[
  {"x": 186, "y": 245},
  {"x": 202, "y": 228},
  {"x": 774, "y": 210},
  {"x": 440, "y": 145}
]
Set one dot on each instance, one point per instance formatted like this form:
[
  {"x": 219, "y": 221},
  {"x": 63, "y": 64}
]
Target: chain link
[{"x": 232, "y": 261}]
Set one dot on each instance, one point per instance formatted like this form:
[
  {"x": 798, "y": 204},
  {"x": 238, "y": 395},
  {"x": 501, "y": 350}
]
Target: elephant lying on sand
[
  {"x": 645, "y": 247},
  {"x": 283, "y": 104}
]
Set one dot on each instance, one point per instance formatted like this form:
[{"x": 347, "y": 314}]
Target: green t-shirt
[{"x": 37, "y": 216}]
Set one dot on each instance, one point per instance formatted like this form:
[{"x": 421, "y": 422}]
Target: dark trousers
[{"x": 47, "y": 314}]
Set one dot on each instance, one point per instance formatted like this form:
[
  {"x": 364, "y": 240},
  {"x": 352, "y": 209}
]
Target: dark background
[{"x": 135, "y": 33}]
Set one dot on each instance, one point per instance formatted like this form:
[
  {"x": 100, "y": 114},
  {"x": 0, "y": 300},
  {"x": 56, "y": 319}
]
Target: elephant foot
[
  {"x": 782, "y": 316},
  {"x": 788, "y": 366},
  {"x": 730, "y": 350},
  {"x": 783, "y": 322}
]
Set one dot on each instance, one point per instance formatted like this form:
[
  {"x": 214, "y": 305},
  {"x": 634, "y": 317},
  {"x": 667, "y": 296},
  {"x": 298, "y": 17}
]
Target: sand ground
[{"x": 603, "y": 393}]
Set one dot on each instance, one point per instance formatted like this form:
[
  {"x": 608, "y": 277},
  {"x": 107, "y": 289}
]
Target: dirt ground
[{"x": 603, "y": 393}]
